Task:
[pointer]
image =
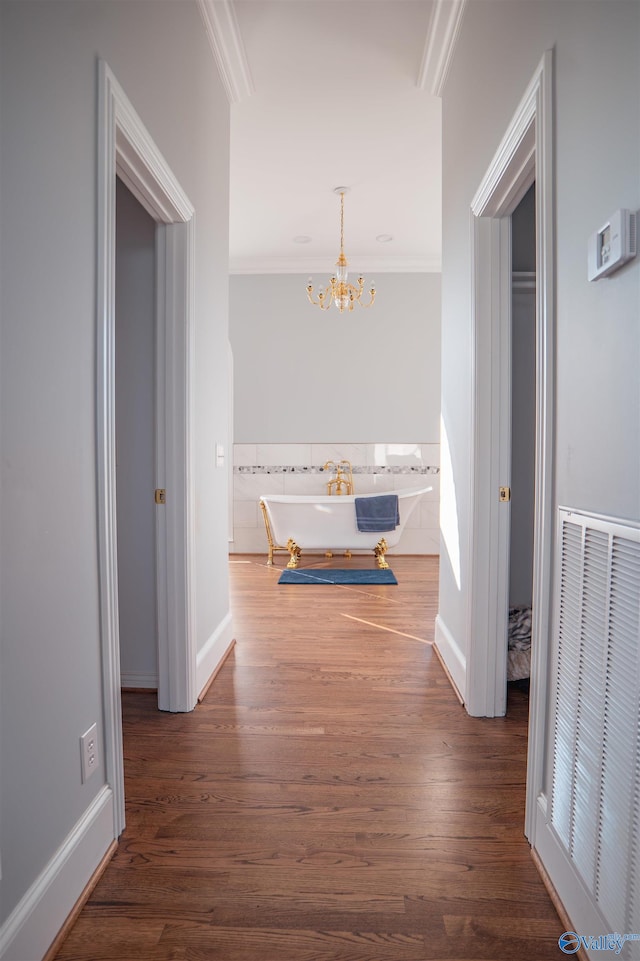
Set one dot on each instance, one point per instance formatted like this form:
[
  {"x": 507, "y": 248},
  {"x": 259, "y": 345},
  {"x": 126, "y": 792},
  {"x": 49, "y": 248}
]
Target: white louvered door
[{"x": 594, "y": 756}]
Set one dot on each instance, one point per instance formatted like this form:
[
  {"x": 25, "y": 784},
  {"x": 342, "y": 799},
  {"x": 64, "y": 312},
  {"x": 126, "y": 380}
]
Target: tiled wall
[{"x": 297, "y": 469}]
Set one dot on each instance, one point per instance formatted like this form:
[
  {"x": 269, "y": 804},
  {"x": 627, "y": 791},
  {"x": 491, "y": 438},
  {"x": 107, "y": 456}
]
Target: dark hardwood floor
[{"x": 330, "y": 800}]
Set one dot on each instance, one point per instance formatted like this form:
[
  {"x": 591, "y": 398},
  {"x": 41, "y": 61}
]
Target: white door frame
[
  {"x": 126, "y": 148},
  {"x": 525, "y": 155}
]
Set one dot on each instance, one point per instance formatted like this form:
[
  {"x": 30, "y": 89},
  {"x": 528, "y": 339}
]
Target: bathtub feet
[
  {"x": 295, "y": 552},
  {"x": 380, "y": 550}
]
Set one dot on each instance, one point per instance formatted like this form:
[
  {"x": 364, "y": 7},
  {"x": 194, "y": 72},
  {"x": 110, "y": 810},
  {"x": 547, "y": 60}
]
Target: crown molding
[
  {"x": 442, "y": 35},
  {"x": 224, "y": 35},
  {"x": 315, "y": 265}
]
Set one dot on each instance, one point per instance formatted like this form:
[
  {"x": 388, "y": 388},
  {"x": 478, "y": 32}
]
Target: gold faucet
[{"x": 342, "y": 478}]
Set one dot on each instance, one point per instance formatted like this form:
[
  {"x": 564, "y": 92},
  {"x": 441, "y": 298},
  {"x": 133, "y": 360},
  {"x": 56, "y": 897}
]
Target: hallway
[{"x": 330, "y": 800}]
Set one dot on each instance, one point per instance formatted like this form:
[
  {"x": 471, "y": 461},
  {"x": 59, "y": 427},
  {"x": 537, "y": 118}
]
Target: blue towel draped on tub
[{"x": 377, "y": 513}]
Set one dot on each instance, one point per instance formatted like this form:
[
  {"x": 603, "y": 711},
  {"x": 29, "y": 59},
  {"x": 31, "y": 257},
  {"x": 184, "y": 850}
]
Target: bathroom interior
[{"x": 325, "y": 406}]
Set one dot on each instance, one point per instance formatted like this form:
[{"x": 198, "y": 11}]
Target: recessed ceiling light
[
  {"x": 302, "y": 239},
  {"x": 384, "y": 238}
]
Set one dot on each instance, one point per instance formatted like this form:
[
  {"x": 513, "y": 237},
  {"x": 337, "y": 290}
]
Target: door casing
[
  {"x": 125, "y": 148},
  {"x": 524, "y": 155}
]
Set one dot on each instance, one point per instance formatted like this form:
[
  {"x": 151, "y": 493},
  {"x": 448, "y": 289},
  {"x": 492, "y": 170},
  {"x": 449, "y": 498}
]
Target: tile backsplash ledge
[{"x": 317, "y": 469}]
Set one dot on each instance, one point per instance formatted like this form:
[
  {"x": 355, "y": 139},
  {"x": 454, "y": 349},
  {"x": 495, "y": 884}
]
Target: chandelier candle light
[{"x": 338, "y": 291}]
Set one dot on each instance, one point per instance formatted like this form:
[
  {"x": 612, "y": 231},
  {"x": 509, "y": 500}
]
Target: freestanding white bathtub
[{"x": 327, "y": 523}]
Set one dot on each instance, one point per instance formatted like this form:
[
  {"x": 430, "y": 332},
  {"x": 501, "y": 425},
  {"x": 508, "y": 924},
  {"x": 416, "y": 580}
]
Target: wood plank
[{"x": 328, "y": 799}]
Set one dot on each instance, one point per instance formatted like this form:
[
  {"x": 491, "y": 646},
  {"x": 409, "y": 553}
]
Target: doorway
[
  {"x": 525, "y": 155},
  {"x": 126, "y": 149}
]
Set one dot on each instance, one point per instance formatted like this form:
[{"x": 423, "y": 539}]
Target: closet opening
[{"x": 523, "y": 445}]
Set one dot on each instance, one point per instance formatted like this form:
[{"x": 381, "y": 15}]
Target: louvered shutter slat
[{"x": 595, "y": 795}]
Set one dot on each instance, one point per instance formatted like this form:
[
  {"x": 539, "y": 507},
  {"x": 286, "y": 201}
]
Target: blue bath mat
[{"x": 331, "y": 576}]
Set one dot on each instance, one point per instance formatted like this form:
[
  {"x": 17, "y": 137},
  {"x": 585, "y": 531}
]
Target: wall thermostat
[{"x": 613, "y": 245}]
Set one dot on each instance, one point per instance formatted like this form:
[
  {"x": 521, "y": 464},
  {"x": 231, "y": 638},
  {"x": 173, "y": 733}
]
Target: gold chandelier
[{"x": 338, "y": 291}]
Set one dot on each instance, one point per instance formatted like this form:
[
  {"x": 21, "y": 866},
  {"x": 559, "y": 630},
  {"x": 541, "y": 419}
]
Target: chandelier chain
[{"x": 341, "y": 223}]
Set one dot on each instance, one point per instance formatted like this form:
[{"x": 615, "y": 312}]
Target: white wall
[
  {"x": 597, "y": 461},
  {"x": 307, "y": 376},
  {"x": 135, "y": 440},
  {"x": 312, "y": 386},
  {"x": 51, "y": 674}
]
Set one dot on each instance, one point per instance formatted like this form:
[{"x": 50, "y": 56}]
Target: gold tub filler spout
[{"x": 343, "y": 477}]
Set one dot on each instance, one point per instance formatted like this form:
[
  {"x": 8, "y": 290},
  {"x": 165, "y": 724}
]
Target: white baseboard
[
  {"x": 36, "y": 920},
  {"x": 454, "y": 660},
  {"x": 210, "y": 656},
  {"x": 136, "y": 679}
]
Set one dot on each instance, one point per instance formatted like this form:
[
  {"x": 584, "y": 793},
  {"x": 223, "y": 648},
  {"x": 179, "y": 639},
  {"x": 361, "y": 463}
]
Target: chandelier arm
[
  {"x": 320, "y": 302},
  {"x": 373, "y": 297}
]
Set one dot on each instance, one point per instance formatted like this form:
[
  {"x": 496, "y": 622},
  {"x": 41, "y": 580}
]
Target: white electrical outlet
[{"x": 89, "y": 752}]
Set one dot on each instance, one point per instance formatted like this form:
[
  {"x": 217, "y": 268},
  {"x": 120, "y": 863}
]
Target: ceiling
[{"x": 329, "y": 93}]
